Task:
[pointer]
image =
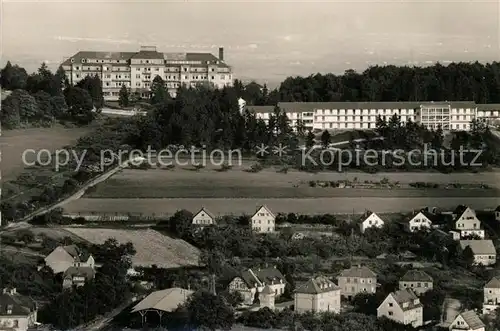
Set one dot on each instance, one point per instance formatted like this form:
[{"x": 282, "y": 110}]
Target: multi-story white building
[
  {"x": 455, "y": 115},
  {"x": 137, "y": 70},
  {"x": 491, "y": 296},
  {"x": 317, "y": 295},
  {"x": 263, "y": 221},
  {"x": 402, "y": 306}
]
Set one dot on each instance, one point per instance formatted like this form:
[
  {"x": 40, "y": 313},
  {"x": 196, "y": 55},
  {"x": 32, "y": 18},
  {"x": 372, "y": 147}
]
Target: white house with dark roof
[
  {"x": 497, "y": 213},
  {"x": 467, "y": 223},
  {"x": 418, "y": 221},
  {"x": 77, "y": 276},
  {"x": 491, "y": 295},
  {"x": 266, "y": 297},
  {"x": 249, "y": 282},
  {"x": 402, "y": 306},
  {"x": 17, "y": 312},
  {"x": 467, "y": 321},
  {"x": 64, "y": 257},
  {"x": 318, "y": 294},
  {"x": 358, "y": 279},
  {"x": 483, "y": 250},
  {"x": 416, "y": 280},
  {"x": 263, "y": 221},
  {"x": 203, "y": 218},
  {"x": 370, "y": 220}
]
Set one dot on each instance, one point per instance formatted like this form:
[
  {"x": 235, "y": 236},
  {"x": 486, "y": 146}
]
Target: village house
[
  {"x": 497, "y": 213},
  {"x": 491, "y": 295},
  {"x": 483, "y": 250},
  {"x": 263, "y": 221},
  {"x": 17, "y": 312},
  {"x": 467, "y": 321},
  {"x": 64, "y": 257},
  {"x": 466, "y": 222},
  {"x": 318, "y": 294},
  {"x": 77, "y": 276},
  {"x": 416, "y": 280},
  {"x": 418, "y": 221},
  {"x": 267, "y": 297},
  {"x": 370, "y": 220},
  {"x": 402, "y": 306},
  {"x": 358, "y": 279},
  {"x": 203, "y": 218},
  {"x": 249, "y": 282}
]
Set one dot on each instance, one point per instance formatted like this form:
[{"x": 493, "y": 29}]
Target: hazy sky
[{"x": 265, "y": 40}]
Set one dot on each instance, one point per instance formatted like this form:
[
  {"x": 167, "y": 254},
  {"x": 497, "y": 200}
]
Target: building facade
[
  {"x": 137, "y": 70},
  {"x": 358, "y": 279},
  {"x": 249, "y": 282},
  {"x": 370, "y": 220},
  {"x": 263, "y": 221},
  {"x": 450, "y": 116},
  {"x": 64, "y": 257},
  {"x": 318, "y": 294},
  {"x": 402, "y": 306},
  {"x": 417, "y": 281},
  {"x": 491, "y": 295},
  {"x": 418, "y": 221},
  {"x": 17, "y": 312},
  {"x": 467, "y": 223},
  {"x": 203, "y": 218},
  {"x": 467, "y": 321},
  {"x": 483, "y": 251}
]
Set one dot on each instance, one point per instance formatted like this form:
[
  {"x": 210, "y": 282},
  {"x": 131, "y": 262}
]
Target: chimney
[{"x": 221, "y": 53}]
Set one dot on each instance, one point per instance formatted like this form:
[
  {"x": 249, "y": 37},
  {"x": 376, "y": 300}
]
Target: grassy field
[
  {"x": 235, "y": 183},
  {"x": 15, "y": 142},
  {"x": 152, "y": 247},
  {"x": 165, "y": 207}
]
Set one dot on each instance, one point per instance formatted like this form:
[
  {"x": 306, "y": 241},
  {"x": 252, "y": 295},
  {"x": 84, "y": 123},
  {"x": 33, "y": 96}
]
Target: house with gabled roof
[
  {"x": 77, "y": 276},
  {"x": 483, "y": 250},
  {"x": 357, "y": 279},
  {"x": 203, "y": 218},
  {"x": 467, "y": 223},
  {"x": 418, "y": 220},
  {"x": 17, "y": 312},
  {"x": 491, "y": 295},
  {"x": 497, "y": 213},
  {"x": 402, "y": 306},
  {"x": 263, "y": 221},
  {"x": 252, "y": 281},
  {"x": 318, "y": 294},
  {"x": 416, "y": 280},
  {"x": 467, "y": 321},
  {"x": 64, "y": 257},
  {"x": 370, "y": 220}
]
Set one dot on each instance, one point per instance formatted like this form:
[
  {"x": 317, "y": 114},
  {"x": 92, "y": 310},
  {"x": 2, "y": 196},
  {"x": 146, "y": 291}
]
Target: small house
[
  {"x": 402, "y": 306},
  {"x": 467, "y": 321},
  {"x": 263, "y": 221},
  {"x": 370, "y": 220}
]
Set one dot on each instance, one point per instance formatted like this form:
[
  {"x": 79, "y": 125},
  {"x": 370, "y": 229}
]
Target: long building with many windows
[
  {"x": 136, "y": 70},
  {"x": 451, "y": 116}
]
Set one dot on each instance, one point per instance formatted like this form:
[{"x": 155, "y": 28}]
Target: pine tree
[{"x": 123, "y": 98}]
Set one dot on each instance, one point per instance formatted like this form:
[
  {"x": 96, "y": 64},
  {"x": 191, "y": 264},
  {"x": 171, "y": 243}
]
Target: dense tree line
[{"x": 42, "y": 97}]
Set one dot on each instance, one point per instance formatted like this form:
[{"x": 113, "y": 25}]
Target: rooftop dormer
[{"x": 9, "y": 290}]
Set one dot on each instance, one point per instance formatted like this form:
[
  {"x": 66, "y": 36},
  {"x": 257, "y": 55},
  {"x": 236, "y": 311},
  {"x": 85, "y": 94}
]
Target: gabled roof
[
  {"x": 493, "y": 283},
  {"x": 317, "y": 285},
  {"x": 266, "y": 208},
  {"x": 361, "y": 272},
  {"x": 165, "y": 300},
  {"x": 267, "y": 290},
  {"x": 406, "y": 296},
  {"x": 261, "y": 276},
  {"x": 497, "y": 208},
  {"x": 414, "y": 214},
  {"x": 19, "y": 304},
  {"x": 479, "y": 247},
  {"x": 459, "y": 211},
  {"x": 206, "y": 211},
  {"x": 365, "y": 215},
  {"x": 473, "y": 321},
  {"x": 77, "y": 253},
  {"x": 416, "y": 276},
  {"x": 87, "y": 272},
  {"x": 99, "y": 55}
]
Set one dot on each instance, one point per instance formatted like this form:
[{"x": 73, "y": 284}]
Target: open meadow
[
  {"x": 152, "y": 246},
  {"x": 15, "y": 142},
  {"x": 236, "y": 183}
]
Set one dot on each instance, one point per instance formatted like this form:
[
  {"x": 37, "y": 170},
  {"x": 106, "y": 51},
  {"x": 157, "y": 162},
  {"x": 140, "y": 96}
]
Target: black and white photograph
[{"x": 250, "y": 165}]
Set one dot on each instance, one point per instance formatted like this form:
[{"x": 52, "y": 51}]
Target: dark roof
[
  {"x": 493, "y": 283},
  {"x": 497, "y": 208},
  {"x": 311, "y": 106},
  {"x": 361, "y": 272},
  {"x": 99, "y": 55},
  {"x": 77, "y": 253},
  {"x": 406, "y": 296},
  {"x": 459, "y": 211},
  {"x": 19, "y": 304},
  {"x": 473, "y": 321},
  {"x": 265, "y": 207},
  {"x": 267, "y": 290},
  {"x": 260, "y": 109},
  {"x": 148, "y": 55},
  {"x": 488, "y": 106},
  {"x": 416, "y": 276},
  {"x": 317, "y": 285},
  {"x": 424, "y": 212},
  {"x": 260, "y": 276},
  {"x": 86, "y": 272},
  {"x": 365, "y": 215}
]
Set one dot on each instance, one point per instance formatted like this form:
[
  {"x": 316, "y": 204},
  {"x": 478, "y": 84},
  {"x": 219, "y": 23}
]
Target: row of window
[
  {"x": 259, "y": 229},
  {"x": 418, "y": 284},
  {"x": 364, "y": 111},
  {"x": 353, "y": 118},
  {"x": 361, "y": 280},
  {"x": 259, "y": 221}
]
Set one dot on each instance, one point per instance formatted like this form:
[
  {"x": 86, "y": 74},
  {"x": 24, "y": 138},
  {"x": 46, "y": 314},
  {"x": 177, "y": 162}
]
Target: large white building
[
  {"x": 455, "y": 115},
  {"x": 137, "y": 70}
]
